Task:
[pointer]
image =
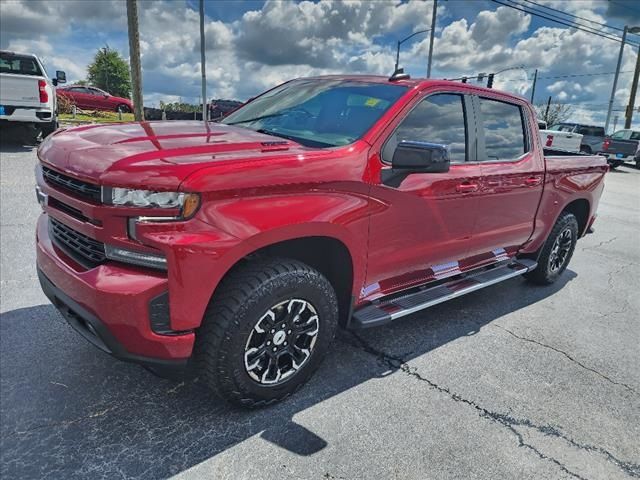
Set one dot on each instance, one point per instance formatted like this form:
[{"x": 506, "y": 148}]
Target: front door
[
  {"x": 512, "y": 179},
  {"x": 420, "y": 229}
]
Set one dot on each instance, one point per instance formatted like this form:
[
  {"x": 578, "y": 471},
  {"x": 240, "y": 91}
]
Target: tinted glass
[
  {"x": 318, "y": 112},
  {"x": 591, "y": 131},
  {"x": 503, "y": 130},
  {"x": 635, "y": 135},
  {"x": 437, "y": 119},
  {"x": 22, "y": 65}
]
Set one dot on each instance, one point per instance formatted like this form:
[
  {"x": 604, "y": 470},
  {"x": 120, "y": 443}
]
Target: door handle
[
  {"x": 467, "y": 187},
  {"x": 532, "y": 181}
]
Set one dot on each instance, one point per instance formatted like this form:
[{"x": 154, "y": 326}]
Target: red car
[
  {"x": 92, "y": 98},
  {"x": 237, "y": 248}
]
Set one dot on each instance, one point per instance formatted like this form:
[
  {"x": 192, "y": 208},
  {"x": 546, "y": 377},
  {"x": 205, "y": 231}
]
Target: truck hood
[{"x": 156, "y": 154}]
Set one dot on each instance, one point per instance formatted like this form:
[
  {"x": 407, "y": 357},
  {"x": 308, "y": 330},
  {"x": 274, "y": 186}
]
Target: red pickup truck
[{"x": 237, "y": 248}]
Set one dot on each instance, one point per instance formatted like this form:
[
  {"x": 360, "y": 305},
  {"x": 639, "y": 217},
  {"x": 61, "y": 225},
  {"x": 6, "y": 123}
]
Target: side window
[
  {"x": 503, "y": 125},
  {"x": 618, "y": 135},
  {"x": 635, "y": 135},
  {"x": 439, "y": 118}
]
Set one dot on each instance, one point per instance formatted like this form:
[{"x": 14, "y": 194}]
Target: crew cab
[
  {"x": 27, "y": 95},
  {"x": 622, "y": 146},
  {"x": 236, "y": 249}
]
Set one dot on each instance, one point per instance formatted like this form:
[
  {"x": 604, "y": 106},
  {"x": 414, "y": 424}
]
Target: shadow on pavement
[{"x": 71, "y": 411}]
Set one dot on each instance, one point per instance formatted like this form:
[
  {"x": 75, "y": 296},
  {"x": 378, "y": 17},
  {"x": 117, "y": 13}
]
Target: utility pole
[
  {"x": 533, "y": 88},
  {"x": 431, "y": 39},
  {"x": 134, "y": 59},
  {"x": 202, "y": 64},
  {"x": 615, "y": 79},
  {"x": 632, "y": 98},
  {"x": 546, "y": 112}
]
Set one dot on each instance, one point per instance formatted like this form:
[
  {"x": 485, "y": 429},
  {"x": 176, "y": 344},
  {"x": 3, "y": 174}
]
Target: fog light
[{"x": 150, "y": 260}]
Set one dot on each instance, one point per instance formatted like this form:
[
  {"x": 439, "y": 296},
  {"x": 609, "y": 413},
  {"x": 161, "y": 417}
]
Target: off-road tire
[
  {"x": 240, "y": 301},
  {"x": 49, "y": 128},
  {"x": 544, "y": 274}
]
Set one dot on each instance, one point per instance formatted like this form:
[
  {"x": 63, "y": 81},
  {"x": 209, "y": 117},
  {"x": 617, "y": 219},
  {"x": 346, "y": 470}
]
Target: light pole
[
  {"x": 400, "y": 42},
  {"x": 203, "y": 69},
  {"x": 626, "y": 30},
  {"x": 431, "y": 39}
]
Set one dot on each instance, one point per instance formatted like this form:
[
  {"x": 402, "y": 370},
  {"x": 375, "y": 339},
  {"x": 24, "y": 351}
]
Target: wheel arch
[
  {"x": 580, "y": 208},
  {"x": 328, "y": 254}
]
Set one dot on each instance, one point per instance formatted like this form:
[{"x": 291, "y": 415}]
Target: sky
[{"x": 254, "y": 45}]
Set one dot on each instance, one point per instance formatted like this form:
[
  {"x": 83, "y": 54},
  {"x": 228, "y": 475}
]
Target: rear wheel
[
  {"x": 266, "y": 331},
  {"x": 557, "y": 251}
]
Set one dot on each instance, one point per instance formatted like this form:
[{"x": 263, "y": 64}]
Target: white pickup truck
[
  {"x": 561, "y": 140},
  {"x": 27, "y": 96}
]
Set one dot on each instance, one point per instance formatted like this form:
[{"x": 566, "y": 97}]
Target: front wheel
[
  {"x": 557, "y": 251},
  {"x": 266, "y": 331}
]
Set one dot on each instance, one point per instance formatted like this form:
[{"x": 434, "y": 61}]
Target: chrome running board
[{"x": 384, "y": 311}]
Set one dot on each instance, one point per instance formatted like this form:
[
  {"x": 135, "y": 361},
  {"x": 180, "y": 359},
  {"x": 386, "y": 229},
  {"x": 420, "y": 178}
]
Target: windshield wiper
[{"x": 255, "y": 119}]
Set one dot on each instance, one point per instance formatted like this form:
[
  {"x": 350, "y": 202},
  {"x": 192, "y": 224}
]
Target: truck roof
[{"x": 413, "y": 83}]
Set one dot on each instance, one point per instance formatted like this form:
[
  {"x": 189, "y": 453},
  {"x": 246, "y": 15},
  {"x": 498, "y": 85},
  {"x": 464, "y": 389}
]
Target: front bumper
[{"x": 110, "y": 305}]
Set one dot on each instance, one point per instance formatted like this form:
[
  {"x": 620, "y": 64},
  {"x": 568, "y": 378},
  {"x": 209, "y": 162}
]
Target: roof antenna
[{"x": 399, "y": 74}]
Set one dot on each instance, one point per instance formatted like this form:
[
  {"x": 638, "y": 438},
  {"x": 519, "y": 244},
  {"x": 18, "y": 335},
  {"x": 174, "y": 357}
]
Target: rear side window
[
  {"x": 635, "y": 135},
  {"x": 503, "y": 126},
  {"x": 439, "y": 119},
  {"x": 591, "y": 131}
]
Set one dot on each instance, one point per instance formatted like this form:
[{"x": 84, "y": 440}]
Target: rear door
[
  {"x": 512, "y": 177},
  {"x": 421, "y": 229}
]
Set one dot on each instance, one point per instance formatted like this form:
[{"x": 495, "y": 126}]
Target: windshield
[
  {"x": 20, "y": 64},
  {"x": 318, "y": 113}
]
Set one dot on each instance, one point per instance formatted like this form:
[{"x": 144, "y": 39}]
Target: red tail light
[
  {"x": 549, "y": 141},
  {"x": 44, "y": 96},
  {"x": 606, "y": 143}
]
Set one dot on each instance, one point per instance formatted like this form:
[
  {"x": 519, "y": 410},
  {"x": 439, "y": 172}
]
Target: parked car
[
  {"x": 27, "y": 98},
  {"x": 92, "y": 98},
  {"x": 560, "y": 140},
  {"x": 238, "y": 248},
  {"x": 592, "y": 135},
  {"x": 621, "y": 147}
]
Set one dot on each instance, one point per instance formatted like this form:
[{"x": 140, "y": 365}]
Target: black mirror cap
[
  {"x": 61, "y": 77},
  {"x": 421, "y": 157}
]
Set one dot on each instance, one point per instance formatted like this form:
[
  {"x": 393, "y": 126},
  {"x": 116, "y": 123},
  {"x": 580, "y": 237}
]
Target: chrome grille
[
  {"x": 72, "y": 185},
  {"x": 85, "y": 250}
]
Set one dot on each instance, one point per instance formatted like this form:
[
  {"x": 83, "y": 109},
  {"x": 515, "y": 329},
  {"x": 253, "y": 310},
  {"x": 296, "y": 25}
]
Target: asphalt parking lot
[{"x": 511, "y": 382}]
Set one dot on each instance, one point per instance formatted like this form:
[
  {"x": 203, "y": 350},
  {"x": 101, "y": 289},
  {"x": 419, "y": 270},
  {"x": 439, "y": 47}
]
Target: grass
[{"x": 96, "y": 117}]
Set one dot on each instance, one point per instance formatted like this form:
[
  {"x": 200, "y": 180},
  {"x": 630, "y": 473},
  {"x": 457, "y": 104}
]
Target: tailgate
[{"x": 19, "y": 90}]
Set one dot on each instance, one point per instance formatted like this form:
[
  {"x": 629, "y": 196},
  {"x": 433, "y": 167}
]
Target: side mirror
[
  {"x": 416, "y": 157},
  {"x": 61, "y": 77},
  {"x": 421, "y": 157}
]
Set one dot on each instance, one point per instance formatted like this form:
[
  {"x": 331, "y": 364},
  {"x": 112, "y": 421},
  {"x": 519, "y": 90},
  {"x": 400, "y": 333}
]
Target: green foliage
[
  {"x": 180, "y": 107},
  {"x": 110, "y": 72}
]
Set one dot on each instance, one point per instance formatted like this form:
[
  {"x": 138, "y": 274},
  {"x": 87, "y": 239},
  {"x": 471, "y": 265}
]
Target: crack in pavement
[
  {"x": 63, "y": 423},
  {"x": 507, "y": 421},
  {"x": 602, "y": 243},
  {"x": 577, "y": 362}
]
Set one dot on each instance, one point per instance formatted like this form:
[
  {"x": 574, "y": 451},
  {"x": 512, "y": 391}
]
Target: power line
[
  {"x": 584, "y": 74},
  {"x": 574, "y": 16},
  {"x": 575, "y": 25}
]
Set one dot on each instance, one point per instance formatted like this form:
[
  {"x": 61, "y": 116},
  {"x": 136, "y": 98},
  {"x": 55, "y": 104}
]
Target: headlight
[{"x": 188, "y": 203}]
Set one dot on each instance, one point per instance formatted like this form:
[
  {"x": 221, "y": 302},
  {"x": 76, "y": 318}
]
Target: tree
[
  {"x": 557, "y": 113},
  {"x": 110, "y": 72}
]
